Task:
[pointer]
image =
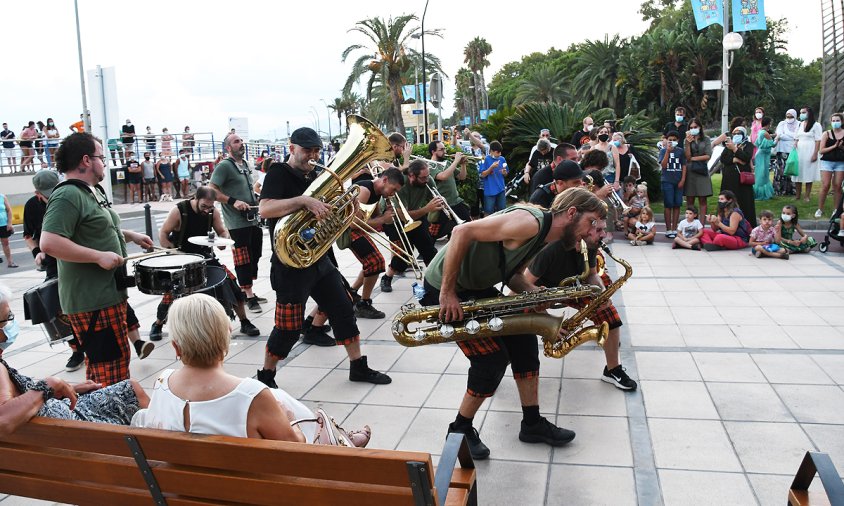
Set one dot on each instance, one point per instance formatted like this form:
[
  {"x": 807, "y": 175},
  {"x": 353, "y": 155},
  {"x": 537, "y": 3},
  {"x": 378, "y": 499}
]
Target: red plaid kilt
[
  {"x": 367, "y": 254},
  {"x": 608, "y": 313},
  {"x": 289, "y": 316},
  {"x": 110, "y": 363},
  {"x": 241, "y": 256}
]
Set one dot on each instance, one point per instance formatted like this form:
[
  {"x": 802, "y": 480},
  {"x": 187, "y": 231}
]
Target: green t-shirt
[
  {"x": 235, "y": 183},
  {"x": 481, "y": 268},
  {"x": 448, "y": 188},
  {"x": 414, "y": 197},
  {"x": 75, "y": 214}
]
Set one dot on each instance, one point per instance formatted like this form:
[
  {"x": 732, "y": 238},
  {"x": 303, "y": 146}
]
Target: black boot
[
  {"x": 267, "y": 377},
  {"x": 477, "y": 448},
  {"x": 360, "y": 371}
]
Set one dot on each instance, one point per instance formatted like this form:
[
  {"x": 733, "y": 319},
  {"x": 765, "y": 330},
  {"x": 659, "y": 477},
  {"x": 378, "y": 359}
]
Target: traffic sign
[{"x": 418, "y": 111}]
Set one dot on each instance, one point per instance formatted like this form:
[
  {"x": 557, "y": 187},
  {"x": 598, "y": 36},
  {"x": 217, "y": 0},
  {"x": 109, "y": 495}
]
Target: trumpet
[
  {"x": 613, "y": 197},
  {"x": 470, "y": 158},
  {"x": 449, "y": 212}
]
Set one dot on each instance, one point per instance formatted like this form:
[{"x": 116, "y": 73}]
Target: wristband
[
  {"x": 35, "y": 251},
  {"x": 44, "y": 388},
  {"x": 231, "y": 201}
]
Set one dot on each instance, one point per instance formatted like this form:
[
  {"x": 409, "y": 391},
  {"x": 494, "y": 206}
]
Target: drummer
[{"x": 195, "y": 218}]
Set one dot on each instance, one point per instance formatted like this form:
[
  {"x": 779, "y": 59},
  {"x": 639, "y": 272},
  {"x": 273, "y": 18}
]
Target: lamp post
[
  {"x": 424, "y": 77},
  {"x": 327, "y": 115},
  {"x": 86, "y": 118},
  {"x": 316, "y": 115},
  {"x": 416, "y": 36},
  {"x": 732, "y": 41}
]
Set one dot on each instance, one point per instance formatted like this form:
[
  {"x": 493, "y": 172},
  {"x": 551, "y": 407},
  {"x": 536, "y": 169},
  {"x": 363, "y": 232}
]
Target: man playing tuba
[{"x": 482, "y": 254}]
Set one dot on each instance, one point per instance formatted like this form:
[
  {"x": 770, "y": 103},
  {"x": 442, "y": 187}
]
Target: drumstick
[{"x": 146, "y": 254}]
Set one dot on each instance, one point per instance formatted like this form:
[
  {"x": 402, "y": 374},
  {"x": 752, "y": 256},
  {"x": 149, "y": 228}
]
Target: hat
[
  {"x": 742, "y": 130},
  {"x": 567, "y": 170},
  {"x": 306, "y": 137},
  {"x": 44, "y": 181}
]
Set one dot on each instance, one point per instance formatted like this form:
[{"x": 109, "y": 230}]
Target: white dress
[{"x": 809, "y": 170}]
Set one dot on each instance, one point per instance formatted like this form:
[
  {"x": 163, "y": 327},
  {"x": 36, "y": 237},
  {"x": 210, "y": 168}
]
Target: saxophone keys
[
  {"x": 496, "y": 324},
  {"x": 473, "y": 326},
  {"x": 419, "y": 335},
  {"x": 446, "y": 330}
]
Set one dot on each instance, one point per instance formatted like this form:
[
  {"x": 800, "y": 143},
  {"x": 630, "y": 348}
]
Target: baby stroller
[
  {"x": 834, "y": 227},
  {"x": 783, "y": 185}
]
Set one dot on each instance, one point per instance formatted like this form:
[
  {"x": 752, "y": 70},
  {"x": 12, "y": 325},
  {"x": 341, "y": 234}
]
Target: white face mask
[
  {"x": 785, "y": 217},
  {"x": 790, "y": 120},
  {"x": 759, "y": 115},
  {"x": 589, "y": 128}
]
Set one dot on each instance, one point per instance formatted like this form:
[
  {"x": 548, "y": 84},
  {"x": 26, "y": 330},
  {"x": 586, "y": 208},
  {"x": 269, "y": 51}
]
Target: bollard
[{"x": 148, "y": 220}]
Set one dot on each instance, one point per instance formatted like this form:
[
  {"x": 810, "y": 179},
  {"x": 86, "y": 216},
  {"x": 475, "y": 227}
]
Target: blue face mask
[
  {"x": 11, "y": 330},
  {"x": 803, "y": 116},
  {"x": 836, "y": 124},
  {"x": 694, "y": 131},
  {"x": 618, "y": 143},
  {"x": 679, "y": 118},
  {"x": 738, "y": 139}
]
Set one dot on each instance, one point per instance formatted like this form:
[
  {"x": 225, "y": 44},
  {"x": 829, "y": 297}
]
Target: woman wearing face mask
[
  {"x": 765, "y": 140},
  {"x": 786, "y": 138},
  {"x": 756, "y": 127},
  {"x": 52, "y": 140},
  {"x": 808, "y": 143},
  {"x": 612, "y": 172},
  {"x": 832, "y": 161},
  {"x": 629, "y": 164},
  {"x": 698, "y": 149},
  {"x": 738, "y": 151},
  {"x": 728, "y": 229},
  {"x": 787, "y": 227}
]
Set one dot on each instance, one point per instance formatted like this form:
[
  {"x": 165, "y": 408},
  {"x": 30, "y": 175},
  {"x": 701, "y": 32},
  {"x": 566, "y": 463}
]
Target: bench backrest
[{"x": 89, "y": 463}]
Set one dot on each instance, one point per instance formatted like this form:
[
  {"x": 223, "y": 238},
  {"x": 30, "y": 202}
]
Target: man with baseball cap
[
  {"x": 281, "y": 195},
  {"x": 567, "y": 175},
  {"x": 33, "y": 215}
]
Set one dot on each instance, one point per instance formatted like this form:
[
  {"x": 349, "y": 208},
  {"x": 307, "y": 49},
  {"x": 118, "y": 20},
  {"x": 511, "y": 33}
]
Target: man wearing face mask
[
  {"x": 127, "y": 136},
  {"x": 581, "y": 137},
  {"x": 282, "y": 195},
  {"x": 148, "y": 170},
  {"x": 679, "y": 125}
]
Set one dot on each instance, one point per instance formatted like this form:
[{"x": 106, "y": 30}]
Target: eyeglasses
[
  {"x": 101, "y": 157},
  {"x": 9, "y": 318}
]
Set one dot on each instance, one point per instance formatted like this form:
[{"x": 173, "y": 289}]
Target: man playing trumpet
[{"x": 445, "y": 179}]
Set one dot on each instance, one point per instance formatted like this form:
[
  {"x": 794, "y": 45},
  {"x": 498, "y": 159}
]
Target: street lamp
[
  {"x": 424, "y": 77},
  {"x": 86, "y": 118},
  {"x": 316, "y": 114},
  {"x": 732, "y": 42},
  {"x": 416, "y": 36},
  {"x": 327, "y": 115}
]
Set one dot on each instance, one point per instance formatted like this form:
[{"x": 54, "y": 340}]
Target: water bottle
[{"x": 418, "y": 291}]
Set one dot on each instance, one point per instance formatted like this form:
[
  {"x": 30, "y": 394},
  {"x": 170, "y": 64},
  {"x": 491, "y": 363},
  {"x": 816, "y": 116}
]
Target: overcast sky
[{"x": 199, "y": 62}]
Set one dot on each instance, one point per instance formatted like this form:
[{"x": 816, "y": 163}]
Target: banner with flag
[
  {"x": 749, "y": 15},
  {"x": 708, "y": 12}
]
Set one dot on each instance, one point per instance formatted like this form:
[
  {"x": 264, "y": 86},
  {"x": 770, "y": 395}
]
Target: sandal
[{"x": 12, "y": 265}]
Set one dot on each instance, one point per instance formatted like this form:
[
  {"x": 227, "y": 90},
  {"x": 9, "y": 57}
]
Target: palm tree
[
  {"x": 386, "y": 58},
  {"x": 463, "y": 95},
  {"x": 545, "y": 85},
  {"x": 338, "y": 106},
  {"x": 598, "y": 75},
  {"x": 474, "y": 55}
]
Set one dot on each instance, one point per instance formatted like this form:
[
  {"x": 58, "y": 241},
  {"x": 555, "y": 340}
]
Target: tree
[
  {"x": 338, "y": 106},
  {"x": 463, "y": 97},
  {"x": 388, "y": 55},
  {"x": 545, "y": 85},
  {"x": 597, "y": 76},
  {"x": 475, "y": 54}
]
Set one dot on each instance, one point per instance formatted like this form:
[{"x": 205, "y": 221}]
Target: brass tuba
[{"x": 300, "y": 239}]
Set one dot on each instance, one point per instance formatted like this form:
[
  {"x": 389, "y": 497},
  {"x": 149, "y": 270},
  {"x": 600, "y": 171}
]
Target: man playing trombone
[{"x": 455, "y": 211}]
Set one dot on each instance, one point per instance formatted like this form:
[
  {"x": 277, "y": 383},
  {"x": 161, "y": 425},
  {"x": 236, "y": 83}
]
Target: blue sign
[
  {"x": 418, "y": 111},
  {"x": 410, "y": 94},
  {"x": 467, "y": 120},
  {"x": 708, "y": 12},
  {"x": 749, "y": 15},
  {"x": 486, "y": 113}
]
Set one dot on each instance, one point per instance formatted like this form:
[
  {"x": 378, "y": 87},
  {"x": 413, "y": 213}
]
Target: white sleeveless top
[{"x": 224, "y": 415}]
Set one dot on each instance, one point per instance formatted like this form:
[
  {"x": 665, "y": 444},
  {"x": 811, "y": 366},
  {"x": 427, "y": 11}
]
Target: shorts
[
  {"x": 5, "y": 232},
  {"x": 25, "y": 144},
  {"x": 133, "y": 178},
  {"x": 672, "y": 195},
  {"x": 149, "y": 180},
  {"x": 832, "y": 166}
]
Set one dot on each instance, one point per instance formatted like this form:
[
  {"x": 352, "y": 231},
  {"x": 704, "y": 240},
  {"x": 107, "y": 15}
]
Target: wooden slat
[
  {"x": 457, "y": 497},
  {"x": 462, "y": 478}
]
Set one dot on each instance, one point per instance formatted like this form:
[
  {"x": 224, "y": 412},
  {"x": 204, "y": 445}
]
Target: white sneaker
[
  {"x": 633, "y": 242},
  {"x": 841, "y": 233},
  {"x": 818, "y": 213},
  {"x": 641, "y": 243}
]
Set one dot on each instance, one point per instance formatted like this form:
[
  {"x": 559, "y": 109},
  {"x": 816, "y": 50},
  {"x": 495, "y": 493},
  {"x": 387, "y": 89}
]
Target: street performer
[
  {"x": 83, "y": 233},
  {"x": 494, "y": 250},
  {"x": 281, "y": 195},
  {"x": 446, "y": 182},
  {"x": 191, "y": 218}
]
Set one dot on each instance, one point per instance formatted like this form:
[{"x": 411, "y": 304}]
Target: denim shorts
[
  {"x": 830, "y": 166},
  {"x": 672, "y": 195}
]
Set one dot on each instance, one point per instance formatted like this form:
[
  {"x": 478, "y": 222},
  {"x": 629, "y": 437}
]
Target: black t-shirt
[
  {"x": 366, "y": 176},
  {"x": 128, "y": 129},
  {"x": 33, "y": 218},
  {"x": 373, "y": 197},
  {"x": 543, "y": 196},
  {"x": 543, "y": 176},
  {"x": 553, "y": 264},
  {"x": 283, "y": 182},
  {"x": 539, "y": 162},
  {"x": 8, "y": 134},
  {"x": 578, "y": 138}
]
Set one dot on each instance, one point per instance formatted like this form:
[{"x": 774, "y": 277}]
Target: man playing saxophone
[
  {"x": 283, "y": 194},
  {"x": 495, "y": 250},
  {"x": 446, "y": 183}
]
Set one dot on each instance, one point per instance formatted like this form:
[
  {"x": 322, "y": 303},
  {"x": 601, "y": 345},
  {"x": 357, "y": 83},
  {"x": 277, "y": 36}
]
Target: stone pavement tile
[
  {"x": 506, "y": 398},
  {"x": 164, "y": 349},
  {"x": 771, "y": 489},
  {"x": 794, "y": 369},
  {"x": 734, "y": 298},
  {"x": 672, "y": 271},
  {"x": 635, "y": 285},
  {"x": 430, "y": 359},
  {"x": 654, "y": 314},
  {"x": 297, "y": 381},
  {"x": 407, "y": 389},
  {"x": 819, "y": 270},
  {"x": 698, "y": 488},
  {"x": 448, "y": 393},
  {"x": 814, "y": 403},
  {"x": 692, "y": 444},
  {"x": 49, "y": 366},
  {"x": 816, "y": 338},
  {"x": 643, "y": 299},
  {"x": 459, "y": 364},
  {"x": 709, "y": 336},
  {"x": 678, "y": 285},
  {"x": 388, "y": 423},
  {"x": 336, "y": 387},
  {"x": 714, "y": 285},
  {"x": 148, "y": 370},
  {"x": 734, "y": 367},
  {"x": 762, "y": 336},
  {"x": 587, "y": 485},
  {"x": 819, "y": 299},
  {"x": 796, "y": 316},
  {"x": 643, "y": 334},
  {"x": 677, "y": 399},
  {"x": 755, "y": 286},
  {"x": 500, "y": 432},
  {"x": 428, "y": 430},
  {"x": 833, "y": 365},
  {"x": 600, "y": 441},
  {"x": 733, "y": 315},
  {"x": 311, "y": 356},
  {"x": 240, "y": 370},
  {"x": 748, "y": 402},
  {"x": 591, "y": 397},
  {"x": 831, "y": 316},
  {"x": 769, "y": 448},
  {"x": 549, "y": 367},
  {"x": 703, "y": 316},
  {"x": 24, "y": 359},
  {"x": 678, "y": 299},
  {"x": 502, "y": 482},
  {"x": 584, "y": 363},
  {"x": 828, "y": 439},
  {"x": 376, "y": 330},
  {"x": 665, "y": 365}
]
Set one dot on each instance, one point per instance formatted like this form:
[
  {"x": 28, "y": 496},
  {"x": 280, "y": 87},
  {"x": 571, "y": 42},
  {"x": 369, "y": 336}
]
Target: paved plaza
[{"x": 740, "y": 364}]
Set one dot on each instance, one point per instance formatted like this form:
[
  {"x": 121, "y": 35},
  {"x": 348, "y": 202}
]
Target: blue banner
[
  {"x": 708, "y": 12},
  {"x": 409, "y": 94},
  {"x": 749, "y": 15},
  {"x": 467, "y": 120}
]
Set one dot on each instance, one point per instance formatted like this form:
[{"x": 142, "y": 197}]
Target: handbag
[
  {"x": 746, "y": 178},
  {"x": 328, "y": 432},
  {"x": 792, "y": 165}
]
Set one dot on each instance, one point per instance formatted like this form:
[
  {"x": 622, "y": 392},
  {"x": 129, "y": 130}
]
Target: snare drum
[{"x": 180, "y": 274}]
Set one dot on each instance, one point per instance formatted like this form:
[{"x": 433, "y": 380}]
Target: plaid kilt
[
  {"x": 241, "y": 256},
  {"x": 289, "y": 316},
  {"x": 106, "y": 358},
  {"x": 367, "y": 254},
  {"x": 608, "y": 313}
]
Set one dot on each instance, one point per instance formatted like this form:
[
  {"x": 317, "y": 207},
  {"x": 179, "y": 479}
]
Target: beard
[{"x": 569, "y": 238}]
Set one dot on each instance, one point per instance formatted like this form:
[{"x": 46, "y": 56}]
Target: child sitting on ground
[
  {"x": 645, "y": 228},
  {"x": 689, "y": 231},
  {"x": 637, "y": 202},
  {"x": 762, "y": 238},
  {"x": 786, "y": 228},
  {"x": 628, "y": 192}
]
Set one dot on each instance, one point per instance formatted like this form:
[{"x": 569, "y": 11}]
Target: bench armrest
[
  {"x": 455, "y": 449},
  {"x": 822, "y": 464}
]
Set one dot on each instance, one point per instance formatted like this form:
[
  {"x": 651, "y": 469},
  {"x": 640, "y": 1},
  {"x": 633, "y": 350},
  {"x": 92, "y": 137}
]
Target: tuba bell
[{"x": 300, "y": 239}]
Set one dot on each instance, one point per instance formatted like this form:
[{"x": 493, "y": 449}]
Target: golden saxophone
[{"x": 300, "y": 239}]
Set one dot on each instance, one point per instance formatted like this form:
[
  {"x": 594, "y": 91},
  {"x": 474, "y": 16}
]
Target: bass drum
[
  {"x": 41, "y": 305},
  {"x": 219, "y": 286},
  {"x": 180, "y": 274}
]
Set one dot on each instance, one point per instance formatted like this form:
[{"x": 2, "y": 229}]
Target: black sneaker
[
  {"x": 309, "y": 321},
  {"x": 155, "y": 332},
  {"x": 359, "y": 371},
  {"x": 364, "y": 309},
  {"x": 247, "y": 328},
  {"x": 712, "y": 247},
  {"x": 318, "y": 337},
  {"x": 354, "y": 295},
  {"x": 267, "y": 377},
  {"x": 618, "y": 378},
  {"x": 477, "y": 448},
  {"x": 386, "y": 284},
  {"x": 261, "y": 300},
  {"x": 76, "y": 360},
  {"x": 253, "y": 305},
  {"x": 143, "y": 348},
  {"x": 544, "y": 431}
]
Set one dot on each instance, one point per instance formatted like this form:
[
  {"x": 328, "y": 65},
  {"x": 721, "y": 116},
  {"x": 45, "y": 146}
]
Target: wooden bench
[
  {"x": 820, "y": 464},
  {"x": 89, "y": 463}
]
